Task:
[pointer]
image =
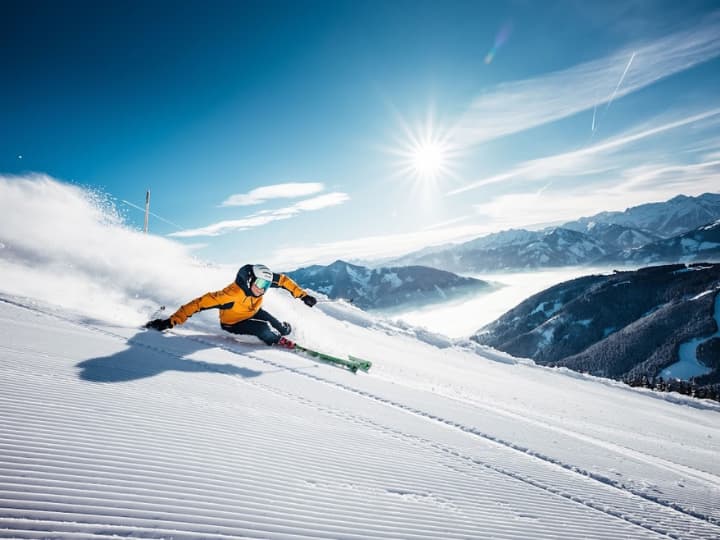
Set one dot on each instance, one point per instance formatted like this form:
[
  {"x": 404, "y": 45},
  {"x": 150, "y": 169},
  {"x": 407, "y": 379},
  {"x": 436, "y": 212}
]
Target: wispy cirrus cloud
[
  {"x": 446, "y": 223},
  {"x": 589, "y": 160},
  {"x": 675, "y": 177},
  {"x": 372, "y": 247},
  {"x": 321, "y": 201},
  {"x": 266, "y": 216},
  {"x": 521, "y": 105},
  {"x": 556, "y": 206},
  {"x": 644, "y": 173},
  {"x": 290, "y": 190}
]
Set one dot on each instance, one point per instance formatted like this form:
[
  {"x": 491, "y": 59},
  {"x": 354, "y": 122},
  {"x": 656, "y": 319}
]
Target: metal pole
[{"x": 147, "y": 210}]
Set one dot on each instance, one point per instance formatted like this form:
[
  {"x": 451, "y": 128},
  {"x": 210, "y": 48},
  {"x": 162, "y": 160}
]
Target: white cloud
[
  {"x": 701, "y": 177},
  {"x": 521, "y": 105},
  {"x": 520, "y": 210},
  {"x": 260, "y": 195},
  {"x": 227, "y": 226},
  {"x": 372, "y": 247},
  {"x": 588, "y": 160},
  {"x": 558, "y": 206},
  {"x": 444, "y": 224},
  {"x": 266, "y": 216},
  {"x": 613, "y": 174},
  {"x": 321, "y": 201}
]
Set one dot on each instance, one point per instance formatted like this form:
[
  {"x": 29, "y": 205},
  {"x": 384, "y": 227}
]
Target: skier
[{"x": 240, "y": 306}]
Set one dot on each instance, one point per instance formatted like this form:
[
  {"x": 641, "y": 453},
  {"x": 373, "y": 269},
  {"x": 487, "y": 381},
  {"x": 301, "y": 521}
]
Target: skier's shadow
[{"x": 150, "y": 354}]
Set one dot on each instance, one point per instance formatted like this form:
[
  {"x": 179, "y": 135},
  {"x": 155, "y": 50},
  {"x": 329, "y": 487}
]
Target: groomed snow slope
[{"x": 108, "y": 431}]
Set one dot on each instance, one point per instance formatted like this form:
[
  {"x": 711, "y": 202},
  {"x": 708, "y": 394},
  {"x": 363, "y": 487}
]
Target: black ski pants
[{"x": 262, "y": 325}]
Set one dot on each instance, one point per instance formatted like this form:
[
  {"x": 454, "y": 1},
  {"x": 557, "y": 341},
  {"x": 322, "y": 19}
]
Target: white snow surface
[
  {"x": 110, "y": 431},
  {"x": 688, "y": 365}
]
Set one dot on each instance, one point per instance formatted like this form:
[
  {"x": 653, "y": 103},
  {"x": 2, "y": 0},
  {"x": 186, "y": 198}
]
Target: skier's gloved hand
[
  {"x": 310, "y": 301},
  {"x": 160, "y": 324},
  {"x": 285, "y": 328}
]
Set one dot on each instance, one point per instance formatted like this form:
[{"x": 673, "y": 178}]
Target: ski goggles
[{"x": 261, "y": 283}]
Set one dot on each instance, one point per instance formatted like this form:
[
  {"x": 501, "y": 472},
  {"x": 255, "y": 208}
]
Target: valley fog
[{"x": 461, "y": 318}]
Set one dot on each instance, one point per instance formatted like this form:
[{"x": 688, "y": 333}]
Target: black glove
[
  {"x": 285, "y": 328},
  {"x": 310, "y": 301},
  {"x": 160, "y": 324}
]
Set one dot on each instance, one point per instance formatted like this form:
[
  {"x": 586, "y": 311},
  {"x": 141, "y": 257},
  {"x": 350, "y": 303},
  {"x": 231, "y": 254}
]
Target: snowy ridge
[
  {"x": 645, "y": 234},
  {"x": 386, "y": 288},
  {"x": 627, "y": 324}
]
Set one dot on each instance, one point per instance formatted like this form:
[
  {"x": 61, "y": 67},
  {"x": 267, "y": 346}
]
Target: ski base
[{"x": 352, "y": 363}]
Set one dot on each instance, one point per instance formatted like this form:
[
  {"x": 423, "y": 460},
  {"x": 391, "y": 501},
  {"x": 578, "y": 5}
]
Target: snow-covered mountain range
[
  {"x": 701, "y": 244},
  {"x": 639, "y": 235},
  {"x": 514, "y": 250},
  {"x": 665, "y": 219},
  {"x": 628, "y": 324},
  {"x": 383, "y": 288},
  {"x": 108, "y": 430}
]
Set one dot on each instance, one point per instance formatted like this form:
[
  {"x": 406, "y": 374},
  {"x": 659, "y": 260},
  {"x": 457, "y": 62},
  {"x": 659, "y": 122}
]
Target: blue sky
[{"x": 299, "y": 132}]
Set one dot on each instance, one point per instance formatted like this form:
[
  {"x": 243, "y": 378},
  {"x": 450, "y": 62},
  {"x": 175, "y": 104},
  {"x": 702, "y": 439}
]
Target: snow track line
[
  {"x": 37, "y": 465},
  {"x": 178, "y": 514},
  {"x": 501, "y": 470},
  {"x": 109, "y": 533},
  {"x": 258, "y": 504},
  {"x": 705, "y": 477},
  {"x": 150, "y": 497},
  {"x": 472, "y": 431},
  {"x": 425, "y": 415},
  {"x": 163, "y": 520},
  {"x": 167, "y": 473}
]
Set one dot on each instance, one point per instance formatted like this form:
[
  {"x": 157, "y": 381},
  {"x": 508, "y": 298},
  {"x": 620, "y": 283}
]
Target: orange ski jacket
[{"x": 235, "y": 302}]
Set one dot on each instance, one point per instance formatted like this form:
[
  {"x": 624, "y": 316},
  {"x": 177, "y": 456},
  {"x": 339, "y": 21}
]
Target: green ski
[{"x": 352, "y": 363}]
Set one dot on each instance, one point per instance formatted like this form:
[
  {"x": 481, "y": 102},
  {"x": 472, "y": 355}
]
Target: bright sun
[
  {"x": 426, "y": 153},
  {"x": 428, "y": 159}
]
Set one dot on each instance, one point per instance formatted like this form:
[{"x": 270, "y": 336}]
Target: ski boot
[{"x": 285, "y": 343}]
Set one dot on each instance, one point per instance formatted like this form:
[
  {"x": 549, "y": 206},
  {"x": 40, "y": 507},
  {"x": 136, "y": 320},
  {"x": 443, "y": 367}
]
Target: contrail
[
  {"x": 594, "y": 113},
  {"x": 622, "y": 78}
]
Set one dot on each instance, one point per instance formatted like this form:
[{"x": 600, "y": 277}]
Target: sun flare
[
  {"x": 428, "y": 159},
  {"x": 426, "y": 153}
]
